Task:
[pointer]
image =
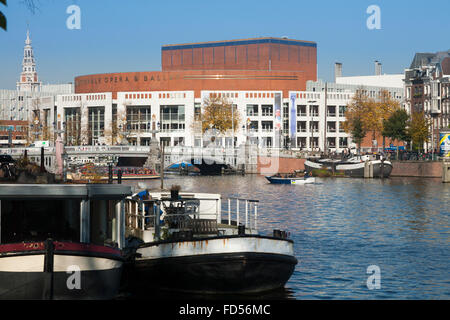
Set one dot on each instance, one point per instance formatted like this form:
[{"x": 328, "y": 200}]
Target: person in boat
[{"x": 307, "y": 175}]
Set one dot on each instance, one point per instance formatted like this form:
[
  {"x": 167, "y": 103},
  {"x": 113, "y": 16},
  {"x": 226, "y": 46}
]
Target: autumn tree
[
  {"x": 369, "y": 113},
  {"x": 219, "y": 115},
  {"x": 418, "y": 130},
  {"x": 386, "y": 106},
  {"x": 354, "y": 124}
]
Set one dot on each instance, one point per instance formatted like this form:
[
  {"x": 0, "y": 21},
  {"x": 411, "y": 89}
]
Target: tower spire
[
  {"x": 28, "y": 78},
  {"x": 28, "y": 40}
]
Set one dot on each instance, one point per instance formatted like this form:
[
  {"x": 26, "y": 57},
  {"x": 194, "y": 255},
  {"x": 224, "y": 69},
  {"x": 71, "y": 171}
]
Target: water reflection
[{"x": 341, "y": 226}]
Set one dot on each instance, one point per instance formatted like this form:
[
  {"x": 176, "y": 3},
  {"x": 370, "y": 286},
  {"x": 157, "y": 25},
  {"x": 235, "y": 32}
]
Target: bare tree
[
  {"x": 3, "y": 23},
  {"x": 32, "y": 5}
]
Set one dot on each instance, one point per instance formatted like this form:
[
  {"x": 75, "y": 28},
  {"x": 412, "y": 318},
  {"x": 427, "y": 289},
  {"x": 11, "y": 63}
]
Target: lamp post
[
  {"x": 311, "y": 124},
  {"x": 325, "y": 124}
]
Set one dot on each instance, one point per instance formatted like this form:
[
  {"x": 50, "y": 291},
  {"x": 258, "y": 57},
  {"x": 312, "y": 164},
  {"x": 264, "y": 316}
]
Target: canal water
[{"x": 340, "y": 227}]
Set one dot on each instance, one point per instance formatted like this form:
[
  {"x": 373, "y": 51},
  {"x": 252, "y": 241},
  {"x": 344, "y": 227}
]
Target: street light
[{"x": 311, "y": 124}]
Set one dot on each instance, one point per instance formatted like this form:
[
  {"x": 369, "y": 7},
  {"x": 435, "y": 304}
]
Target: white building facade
[{"x": 308, "y": 120}]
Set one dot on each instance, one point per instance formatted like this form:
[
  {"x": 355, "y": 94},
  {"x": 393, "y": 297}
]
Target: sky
[{"x": 126, "y": 36}]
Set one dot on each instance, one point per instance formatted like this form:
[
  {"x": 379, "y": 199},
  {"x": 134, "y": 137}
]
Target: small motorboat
[
  {"x": 291, "y": 180},
  {"x": 184, "y": 243}
]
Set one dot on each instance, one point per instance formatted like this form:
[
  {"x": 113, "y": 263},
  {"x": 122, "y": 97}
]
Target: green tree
[
  {"x": 357, "y": 132},
  {"x": 3, "y": 23},
  {"x": 395, "y": 127},
  {"x": 418, "y": 130}
]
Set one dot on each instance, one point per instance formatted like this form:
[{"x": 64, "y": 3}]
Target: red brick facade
[{"x": 253, "y": 64}]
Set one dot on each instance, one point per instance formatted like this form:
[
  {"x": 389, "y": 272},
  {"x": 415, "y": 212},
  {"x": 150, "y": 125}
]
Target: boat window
[
  {"x": 38, "y": 220},
  {"x": 102, "y": 222}
]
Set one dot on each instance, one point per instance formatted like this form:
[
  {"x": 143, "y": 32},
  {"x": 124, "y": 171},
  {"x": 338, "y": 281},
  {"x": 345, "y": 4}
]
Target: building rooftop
[{"x": 238, "y": 42}]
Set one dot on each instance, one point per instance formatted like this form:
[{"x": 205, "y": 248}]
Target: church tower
[{"x": 28, "y": 78}]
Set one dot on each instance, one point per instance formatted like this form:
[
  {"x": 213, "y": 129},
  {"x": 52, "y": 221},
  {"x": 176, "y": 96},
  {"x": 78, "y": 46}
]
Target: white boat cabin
[{"x": 63, "y": 212}]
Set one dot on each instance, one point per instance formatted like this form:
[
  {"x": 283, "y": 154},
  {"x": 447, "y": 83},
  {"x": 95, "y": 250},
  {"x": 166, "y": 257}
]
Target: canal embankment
[{"x": 417, "y": 169}]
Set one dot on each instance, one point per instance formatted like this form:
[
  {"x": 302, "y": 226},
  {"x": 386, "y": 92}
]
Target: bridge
[{"x": 231, "y": 157}]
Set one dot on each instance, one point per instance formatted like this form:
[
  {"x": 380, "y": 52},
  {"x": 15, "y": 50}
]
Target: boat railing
[
  {"x": 236, "y": 212},
  {"x": 249, "y": 216}
]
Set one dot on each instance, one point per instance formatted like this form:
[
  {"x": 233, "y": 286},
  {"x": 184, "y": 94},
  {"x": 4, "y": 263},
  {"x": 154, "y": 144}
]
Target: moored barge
[{"x": 187, "y": 245}]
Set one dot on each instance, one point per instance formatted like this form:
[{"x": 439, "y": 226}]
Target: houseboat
[
  {"x": 90, "y": 172},
  {"x": 352, "y": 167},
  {"x": 184, "y": 243},
  {"x": 61, "y": 241}
]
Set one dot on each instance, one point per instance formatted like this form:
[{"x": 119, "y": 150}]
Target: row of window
[
  {"x": 314, "y": 126},
  {"x": 314, "y": 142}
]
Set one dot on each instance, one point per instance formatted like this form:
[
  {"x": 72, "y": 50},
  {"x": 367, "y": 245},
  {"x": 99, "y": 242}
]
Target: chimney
[
  {"x": 378, "y": 68},
  {"x": 337, "y": 70}
]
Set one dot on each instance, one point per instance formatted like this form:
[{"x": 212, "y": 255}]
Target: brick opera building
[{"x": 271, "y": 64}]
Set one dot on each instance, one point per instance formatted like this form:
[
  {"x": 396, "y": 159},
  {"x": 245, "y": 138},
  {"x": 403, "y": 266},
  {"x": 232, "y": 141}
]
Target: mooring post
[
  {"x": 119, "y": 176},
  {"x": 42, "y": 169},
  {"x": 47, "y": 293},
  {"x": 156, "y": 214},
  {"x": 229, "y": 211},
  {"x": 110, "y": 174},
  {"x": 446, "y": 171}
]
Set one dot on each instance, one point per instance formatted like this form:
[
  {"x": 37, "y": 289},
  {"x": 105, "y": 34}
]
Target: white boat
[
  {"x": 61, "y": 241},
  {"x": 193, "y": 247}
]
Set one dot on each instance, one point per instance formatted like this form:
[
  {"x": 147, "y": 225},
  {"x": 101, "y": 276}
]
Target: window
[
  {"x": 178, "y": 141},
  {"x": 267, "y": 110},
  {"x": 252, "y": 110},
  {"x": 314, "y": 126},
  {"x": 267, "y": 142},
  {"x": 331, "y": 126},
  {"x": 301, "y": 126},
  {"x": 313, "y": 111},
  {"x": 331, "y": 111},
  {"x": 301, "y": 111},
  {"x": 38, "y": 220},
  {"x": 172, "y": 118},
  {"x": 96, "y": 124},
  {"x": 267, "y": 126},
  {"x": 343, "y": 142},
  {"x": 331, "y": 142},
  {"x": 301, "y": 142},
  {"x": 197, "y": 112},
  {"x": 73, "y": 126},
  {"x": 139, "y": 118},
  {"x": 342, "y": 110}
]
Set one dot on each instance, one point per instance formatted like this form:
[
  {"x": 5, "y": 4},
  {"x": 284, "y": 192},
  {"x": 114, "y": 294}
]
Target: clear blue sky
[{"x": 121, "y": 36}]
